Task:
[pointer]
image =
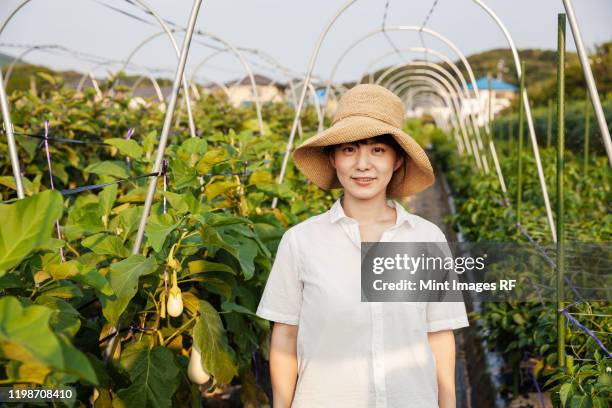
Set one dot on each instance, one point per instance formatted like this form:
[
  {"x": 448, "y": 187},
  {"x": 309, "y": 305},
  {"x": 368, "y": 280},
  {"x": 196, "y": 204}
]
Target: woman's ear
[
  {"x": 332, "y": 160},
  {"x": 398, "y": 163}
]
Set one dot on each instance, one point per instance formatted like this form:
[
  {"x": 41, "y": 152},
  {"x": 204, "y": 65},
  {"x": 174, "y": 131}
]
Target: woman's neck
[{"x": 368, "y": 211}]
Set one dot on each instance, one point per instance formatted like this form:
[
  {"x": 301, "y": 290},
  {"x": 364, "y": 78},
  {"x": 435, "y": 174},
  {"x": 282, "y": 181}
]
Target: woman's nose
[{"x": 363, "y": 159}]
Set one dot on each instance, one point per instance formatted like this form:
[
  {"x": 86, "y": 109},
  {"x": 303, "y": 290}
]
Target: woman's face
[{"x": 365, "y": 170}]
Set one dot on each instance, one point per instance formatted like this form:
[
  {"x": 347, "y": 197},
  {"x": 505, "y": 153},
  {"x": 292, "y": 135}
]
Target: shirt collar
[{"x": 336, "y": 213}]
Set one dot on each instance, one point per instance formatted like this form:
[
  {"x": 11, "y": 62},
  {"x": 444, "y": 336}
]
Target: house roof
[{"x": 496, "y": 85}]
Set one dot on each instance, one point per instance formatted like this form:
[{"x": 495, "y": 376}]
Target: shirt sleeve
[
  {"x": 447, "y": 315},
  {"x": 282, "y": 297}
]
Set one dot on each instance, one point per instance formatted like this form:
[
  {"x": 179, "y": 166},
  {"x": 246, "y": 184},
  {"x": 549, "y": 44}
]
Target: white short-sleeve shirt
[{"x": 351, "y": 353}]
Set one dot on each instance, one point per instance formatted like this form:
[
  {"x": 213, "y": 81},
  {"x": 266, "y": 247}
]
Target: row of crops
[
  {"x": 524, "y": 334},
  {"x": 183, "y": 306}
]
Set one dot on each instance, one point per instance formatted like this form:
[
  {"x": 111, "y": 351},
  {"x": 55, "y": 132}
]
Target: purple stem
[
  {"x": 165, "y": 173},
  {"x": 128, "y": 136},
  {"x": 535, "y": 382},
  {"x": 256, "y": 366},
  {"x": 57, "y": 226}
]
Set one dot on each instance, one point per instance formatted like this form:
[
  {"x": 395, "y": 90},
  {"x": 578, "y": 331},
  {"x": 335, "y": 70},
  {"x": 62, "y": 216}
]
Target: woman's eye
[
  {"x": 379, "y": 149},
  {"x": 348, "y": 149}
]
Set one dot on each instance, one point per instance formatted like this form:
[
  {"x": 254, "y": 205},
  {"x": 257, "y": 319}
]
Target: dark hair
[{"x": 386, "y": 138}]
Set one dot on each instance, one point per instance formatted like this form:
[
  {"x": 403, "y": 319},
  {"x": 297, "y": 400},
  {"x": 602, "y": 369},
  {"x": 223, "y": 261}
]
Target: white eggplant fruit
[
  {"x": 175, "y": 300},
  {"x": 195, "y": 371}
]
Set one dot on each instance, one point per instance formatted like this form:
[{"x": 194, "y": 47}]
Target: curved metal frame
[
  {"x": 166, "y": 30},
  {"x": 4, "y": 99},
  {"x": 437, "y": 81},
  {"x": 482, "y": 159},
  {"x": 298, "y": 111},
  {"x": 421, "y": 86},
  {"x": 492, "y": 147},
  {"x": 421, "y": 30},
  {"x": 450, "y": 123},
  {"x": 158, "y": 91},
  {"x": 588, "y": 76},
  {"x": 528, "y": 117}
]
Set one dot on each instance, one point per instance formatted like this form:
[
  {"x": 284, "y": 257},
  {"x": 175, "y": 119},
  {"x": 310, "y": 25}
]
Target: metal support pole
[
  {"x": 10, "y": 139},
  {"x": 180, "y": 69},
  {"x": 528, "y": 117},
  {"x": 521, "y": 132},
  {"x": 560, "y": 209},
  {"x": 298, "y": 110},
  {"x": 549, "y": 123},
  {"x": 587, "y": 131},
  {"x": 588, "y": 76}
]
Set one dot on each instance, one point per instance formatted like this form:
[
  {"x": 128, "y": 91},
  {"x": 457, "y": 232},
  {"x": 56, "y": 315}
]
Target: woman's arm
[
  {"x": 442, "y": 345},
  {"x": 283, "y": 364}
]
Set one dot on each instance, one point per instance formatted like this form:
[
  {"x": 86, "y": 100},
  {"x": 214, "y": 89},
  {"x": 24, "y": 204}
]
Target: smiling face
[{"x": 365, "y": 167}]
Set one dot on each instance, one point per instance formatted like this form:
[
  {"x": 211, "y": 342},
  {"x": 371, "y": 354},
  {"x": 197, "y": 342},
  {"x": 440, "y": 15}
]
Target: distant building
[
  {"x": 501, "y": 96},
  {"x": 241, "y": 92}
]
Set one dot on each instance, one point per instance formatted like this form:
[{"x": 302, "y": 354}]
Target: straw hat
[{"x": 366, "y": 111}]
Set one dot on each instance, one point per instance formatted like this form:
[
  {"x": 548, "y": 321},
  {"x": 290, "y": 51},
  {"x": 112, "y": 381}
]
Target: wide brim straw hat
[{"x": 365, "y": 111}]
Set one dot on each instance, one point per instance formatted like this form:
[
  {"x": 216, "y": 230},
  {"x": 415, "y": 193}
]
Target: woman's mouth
[{"x": 363, "y": 181}]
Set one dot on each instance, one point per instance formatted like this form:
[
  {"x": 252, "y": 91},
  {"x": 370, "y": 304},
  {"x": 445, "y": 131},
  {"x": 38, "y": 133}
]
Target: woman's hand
[
  {"x": 442, "y": 345},
  {"x": 283, "y": 364}
]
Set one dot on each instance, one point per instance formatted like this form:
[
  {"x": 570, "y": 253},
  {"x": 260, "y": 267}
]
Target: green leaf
[
  {"x": 565, "y": 392},
  {"x": 157, "y": 229},
  {"x": 210, "y": 337},
  {"x": 107, "y": 198},
  {"x": 581, "y": 401},
  {"x": 64, "y": 318},
  {"x": 83, "y": 273},
  {"x": 123, "y": 278},
  {"x": 217, "y": 188},
  {"x": 233, "y": 307},
  {"x": 104, "y": 244},
  {"x": 200, "y": 266},
  {"x": 183, "y": 203},
  {"x": 26, "y": 225},
  {"x": 244, "y": 250},
  {"x": 276, "y": 190},
  {"x": 154, "y": 374},
  {"x": 210, "y": 158},
  {"x": 127, "y": 147},
  {"x": 518, "y": 319},
  {"x": 63, "y": 289},
  {"x": 109, "y": 168},
  {"x": 25, "y": 335}
]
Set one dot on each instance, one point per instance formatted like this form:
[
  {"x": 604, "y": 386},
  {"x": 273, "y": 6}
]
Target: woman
[{"x": 329, "y": 349}]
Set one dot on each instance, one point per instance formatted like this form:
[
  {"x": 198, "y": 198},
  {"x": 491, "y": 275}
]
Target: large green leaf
[
  {"x": 243, "y": 249},
  {"x": 154, "y": 374},
  {"x": 109, "y": 168},
  {"x": 202, "y": 265},
  {"x": 107, "y": 198},
  {"x": 157, "y": 229},
  {"x": 209, "y": 335},
  {"x": 104, "y": 244},
  {"x": 65, "y": 318},
  {"x": 127, "y": 147},
  {"x": 75, "y": 270},
  {"x": 210, "y": 158},
  {"x": 25, "y": 335},
  {"x": 123, "y": 278},
  {"x": 26, "y": 225}
]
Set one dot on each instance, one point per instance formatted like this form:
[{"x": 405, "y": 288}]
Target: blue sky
[{"x": 288, "y": 30}]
